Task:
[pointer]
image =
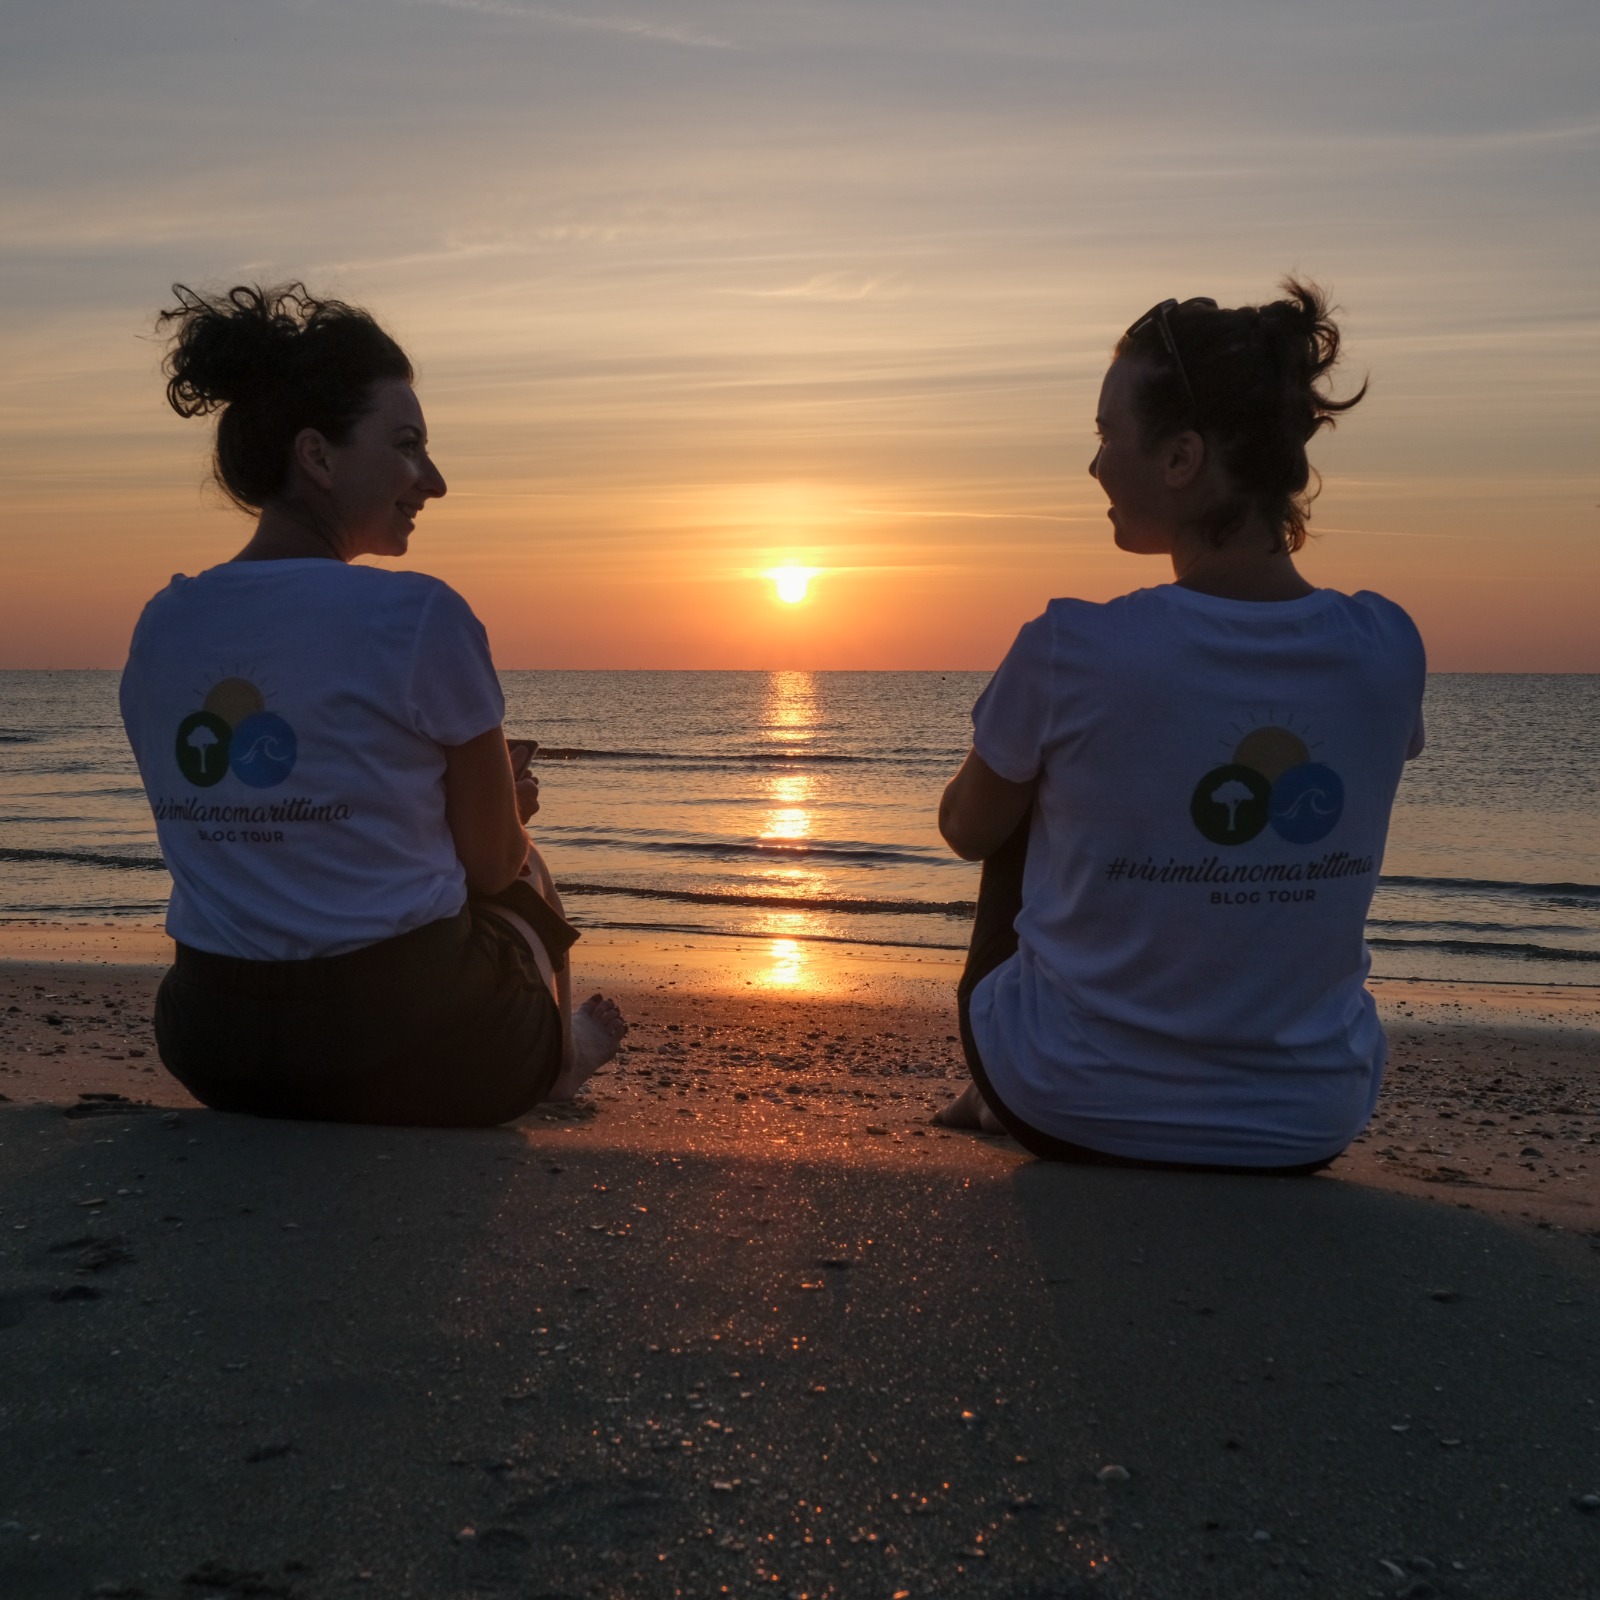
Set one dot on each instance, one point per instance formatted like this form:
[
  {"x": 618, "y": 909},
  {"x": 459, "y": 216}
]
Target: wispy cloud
[
  {"x": 633, "y": 27},
  {"x": 828, "y": 286},
  {"x": 898, "y": 513}
]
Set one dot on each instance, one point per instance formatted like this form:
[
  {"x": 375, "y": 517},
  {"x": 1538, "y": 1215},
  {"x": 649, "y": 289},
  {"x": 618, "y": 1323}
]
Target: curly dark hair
[
  {"x": 1253, "y": 373},
  {"x": 272, "y": 361}
]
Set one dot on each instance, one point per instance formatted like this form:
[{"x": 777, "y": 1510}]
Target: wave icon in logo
[
  {"x": 1306, "y": 803},
  {"x": 1271, "y": 779},
  {"x": 263, "y": 751},
  {"x": 234, "y": 732}
]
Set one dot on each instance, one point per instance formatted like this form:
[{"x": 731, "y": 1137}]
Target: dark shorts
[
  {"x": 448, "y": 1026},
  {"x": 994, "y": 942}
]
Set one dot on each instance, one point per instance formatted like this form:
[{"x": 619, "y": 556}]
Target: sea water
[{"x": 800, "y": 806}]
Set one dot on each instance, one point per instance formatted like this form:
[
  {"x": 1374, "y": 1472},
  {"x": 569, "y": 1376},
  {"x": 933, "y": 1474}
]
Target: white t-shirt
[
  {"x": 1215, "y": 784},
  {"x": 288, "y": 719}
]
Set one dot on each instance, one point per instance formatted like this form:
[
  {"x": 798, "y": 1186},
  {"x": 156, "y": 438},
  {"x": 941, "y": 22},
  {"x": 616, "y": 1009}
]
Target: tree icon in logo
[
  {"x": 202, "y": 748},
  {"x": 1229, "y": 804}
]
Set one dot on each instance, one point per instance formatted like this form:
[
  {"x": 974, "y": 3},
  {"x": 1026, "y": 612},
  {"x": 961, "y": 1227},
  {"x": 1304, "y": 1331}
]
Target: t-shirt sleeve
[
  {"x": 1011, "y": 721},
  {"x": 133, "y": 685},
  {"x": 1417, "y": 653},
  {"x": 453, "y": 694},
  {"x": 1407, "y": 656}
]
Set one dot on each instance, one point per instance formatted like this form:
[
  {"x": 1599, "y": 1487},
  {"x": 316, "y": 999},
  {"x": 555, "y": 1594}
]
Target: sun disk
[{"x": 792, "y": 583}]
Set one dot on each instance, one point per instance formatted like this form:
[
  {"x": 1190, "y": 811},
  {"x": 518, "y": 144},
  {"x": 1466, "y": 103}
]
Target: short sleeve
[
  {"x": 1010, "y": 722},
  {"x": 453, "y": 694}
]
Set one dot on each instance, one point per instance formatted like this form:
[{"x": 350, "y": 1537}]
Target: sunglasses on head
[{"x": 1158, "y": 315}]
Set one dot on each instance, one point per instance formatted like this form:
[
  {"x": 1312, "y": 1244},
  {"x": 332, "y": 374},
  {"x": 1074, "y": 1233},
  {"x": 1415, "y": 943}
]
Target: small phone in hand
[{"x": 521, "y": 752}]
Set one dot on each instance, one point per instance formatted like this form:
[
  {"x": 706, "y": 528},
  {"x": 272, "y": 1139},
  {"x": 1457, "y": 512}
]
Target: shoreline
[
  {"x": 134, "y": 940},
  {"x": 1491, "y": 1098}
]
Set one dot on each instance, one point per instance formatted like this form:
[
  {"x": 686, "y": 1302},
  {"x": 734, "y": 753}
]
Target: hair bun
[
  {"x": 235, "y": 346},
  {"x": 273, "y": 362}
]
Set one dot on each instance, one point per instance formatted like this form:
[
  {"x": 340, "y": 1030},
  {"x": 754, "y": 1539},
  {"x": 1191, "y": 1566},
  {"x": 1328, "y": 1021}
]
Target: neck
[
  {"x": 289, "y": 530},
  {"x": 1247, "y": 567}
]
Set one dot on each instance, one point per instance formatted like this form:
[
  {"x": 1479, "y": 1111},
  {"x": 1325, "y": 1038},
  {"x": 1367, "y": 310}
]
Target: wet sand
[{"x": 745, "y": 1323}]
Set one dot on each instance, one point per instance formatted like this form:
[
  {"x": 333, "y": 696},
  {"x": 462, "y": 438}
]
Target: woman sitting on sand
[
  {"x": 1180, "y": 797},
  {"x": 321, "y": 744}
]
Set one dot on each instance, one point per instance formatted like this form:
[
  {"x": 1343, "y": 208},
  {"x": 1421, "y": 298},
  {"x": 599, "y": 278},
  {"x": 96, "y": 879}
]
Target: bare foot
[
  {"x": 597, "y": 1031},
  {"x": 968, "y": 1110}
]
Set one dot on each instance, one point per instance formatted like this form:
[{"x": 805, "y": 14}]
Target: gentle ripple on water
[{"x": 801, "y": 805}]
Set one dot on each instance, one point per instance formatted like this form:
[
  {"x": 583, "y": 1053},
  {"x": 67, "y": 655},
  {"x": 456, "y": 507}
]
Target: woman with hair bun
[
  {"x": 1181, "y": 797},
  {"x": 363, "y": 932}
]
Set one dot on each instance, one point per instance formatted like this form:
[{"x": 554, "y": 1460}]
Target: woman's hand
[{"x": 527, "y": 796}]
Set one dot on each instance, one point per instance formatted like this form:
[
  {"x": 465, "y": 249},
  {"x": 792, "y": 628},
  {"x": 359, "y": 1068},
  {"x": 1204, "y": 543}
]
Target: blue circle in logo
[
  {"x": 1307, "y": 801},
  {"x": 263, "y": 750}
]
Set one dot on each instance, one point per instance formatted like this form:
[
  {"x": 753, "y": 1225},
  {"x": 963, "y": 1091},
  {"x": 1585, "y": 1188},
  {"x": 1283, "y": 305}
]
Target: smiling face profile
[
  {"x": 1137, "y": 476},
  {"x": 374, "y": 483}
]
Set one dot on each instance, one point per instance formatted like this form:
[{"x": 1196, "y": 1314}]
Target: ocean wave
[
  {"x": 80, "y": 912},
  {"x": 1442, "y": 926},
  {"x": 700, "y": 760},
  {"x": 1579, "y": 893},
  {"x": 1489, "y": 947},
  {"x": 780, "y": 902},
  {"x": 19, "y": 738},
  {"x": 741, "y": 849},
  {"x": 87, "y": 858},
  {"x": 696, "y": 930}
]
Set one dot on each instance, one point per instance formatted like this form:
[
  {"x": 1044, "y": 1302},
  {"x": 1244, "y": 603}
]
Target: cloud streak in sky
[
  {"x": 827, "y": 286},
  {"x": 632, "y": 27}
]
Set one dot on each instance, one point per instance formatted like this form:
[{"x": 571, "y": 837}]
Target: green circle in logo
[
  {"x": 1231, "y": 804},
  {"x": 202, "y": 748}
]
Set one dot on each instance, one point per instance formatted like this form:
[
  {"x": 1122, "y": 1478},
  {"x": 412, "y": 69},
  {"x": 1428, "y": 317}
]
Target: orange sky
[{"x": 695, "y": 290}]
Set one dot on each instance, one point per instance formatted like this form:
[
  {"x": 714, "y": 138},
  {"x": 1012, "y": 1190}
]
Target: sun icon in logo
[{"x": 1271, "y": 778}]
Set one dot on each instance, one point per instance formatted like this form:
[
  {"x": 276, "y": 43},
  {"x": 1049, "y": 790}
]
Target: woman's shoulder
[
  {"x": 1164, "y": 615},
  {"x": 1377, "y": 605},
  {"x": 309, "y": 597},
  {"x": 1066, "y": 620},
  {"x": 1073, "y": 617},
  {"x": 370, "y": 585},
  {"x": 1383, "y": 620},
  {"x": 400, "y": 589}
]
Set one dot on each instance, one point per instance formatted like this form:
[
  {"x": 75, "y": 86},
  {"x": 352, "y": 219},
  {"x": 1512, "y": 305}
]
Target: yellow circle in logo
[
  {"x": 234, "y": 699},
  {"x": 1269, "y": 751}
]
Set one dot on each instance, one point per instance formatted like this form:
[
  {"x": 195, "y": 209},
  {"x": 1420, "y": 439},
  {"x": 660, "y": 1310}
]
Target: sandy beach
[{"x": 743, "y": 1322}]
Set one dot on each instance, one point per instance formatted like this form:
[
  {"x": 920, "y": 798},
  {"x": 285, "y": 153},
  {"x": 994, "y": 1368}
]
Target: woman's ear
[
  {"x": 1183, "y": 459},
  {"x": 313, "y": 458}
]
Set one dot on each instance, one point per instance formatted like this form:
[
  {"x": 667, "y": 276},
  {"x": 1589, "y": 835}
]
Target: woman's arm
[
  {"x": 481, "y": 806},
  {"x": 980, "y": 810}
]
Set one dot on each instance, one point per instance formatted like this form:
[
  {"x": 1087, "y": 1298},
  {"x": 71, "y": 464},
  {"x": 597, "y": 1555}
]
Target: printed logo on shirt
[
  {"x": 234, "y": 732},
  {"x": 1270, "y": 780}
]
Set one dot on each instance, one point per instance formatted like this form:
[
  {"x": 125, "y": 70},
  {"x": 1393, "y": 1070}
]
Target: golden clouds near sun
[{"x": 791, "y": 583}]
